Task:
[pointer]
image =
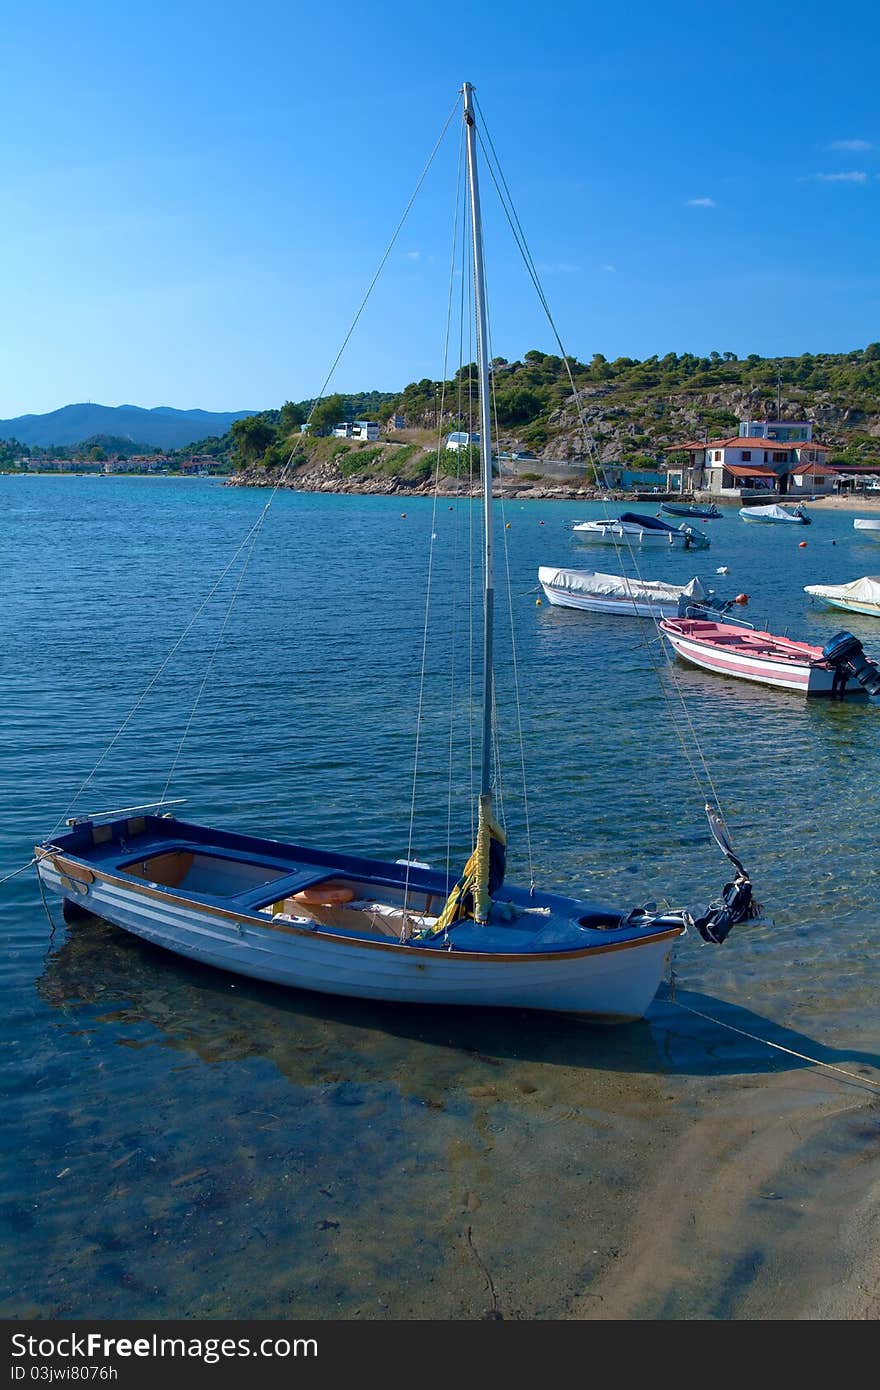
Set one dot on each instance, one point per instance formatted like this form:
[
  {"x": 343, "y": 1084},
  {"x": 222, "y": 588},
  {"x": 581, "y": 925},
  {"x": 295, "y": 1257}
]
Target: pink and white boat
[{"x": 836, "y": 670}]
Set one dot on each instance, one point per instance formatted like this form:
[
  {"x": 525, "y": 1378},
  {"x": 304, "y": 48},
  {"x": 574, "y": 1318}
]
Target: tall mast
[{"x": 485, "y": 443}]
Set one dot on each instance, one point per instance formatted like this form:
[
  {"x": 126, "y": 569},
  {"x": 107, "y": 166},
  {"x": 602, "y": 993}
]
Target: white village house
[
  {"x": 460, "y": 439},
  {"x": 357, "y": 429},
  {"x": 779, "y": 457}
]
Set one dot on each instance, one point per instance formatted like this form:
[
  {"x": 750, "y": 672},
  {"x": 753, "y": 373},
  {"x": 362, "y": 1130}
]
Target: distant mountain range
[{"x": 160, "y": 428}]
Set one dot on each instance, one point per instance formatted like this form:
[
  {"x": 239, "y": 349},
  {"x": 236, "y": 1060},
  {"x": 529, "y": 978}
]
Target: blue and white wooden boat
[
  {"x": 375, "y": 929},
  {"x": 333, "y": 922}
]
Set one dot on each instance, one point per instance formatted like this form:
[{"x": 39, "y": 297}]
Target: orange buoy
[
  {"x": 324, "y": 895},
  {"x": 741, "y": 598},
  {"x": 802, "y": 545}
]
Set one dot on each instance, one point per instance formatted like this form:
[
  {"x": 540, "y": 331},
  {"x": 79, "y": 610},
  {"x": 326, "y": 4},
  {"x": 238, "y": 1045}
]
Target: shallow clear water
[{"x": 178, "y": 1142}]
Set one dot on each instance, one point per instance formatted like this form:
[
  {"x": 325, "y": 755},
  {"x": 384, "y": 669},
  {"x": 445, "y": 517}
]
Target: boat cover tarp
[
  {"x": 772, "y": 512},
  {"x": 617, "y": 585},
  {"x": 866, "y": 590},
  {"x": 648, "y": 523}
]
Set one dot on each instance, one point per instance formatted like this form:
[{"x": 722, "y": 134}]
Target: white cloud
[
  {"x": 413, "y": 255},
  {"x": 851, "y": 176},
  {"x": 611, "y": 268},
  {"x": 701, "y": 203},
  {"x": 854, "y": 146}
]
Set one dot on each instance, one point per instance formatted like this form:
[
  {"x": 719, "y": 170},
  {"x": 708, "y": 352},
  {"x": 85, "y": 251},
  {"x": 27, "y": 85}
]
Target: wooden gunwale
[{"x": 61, "y": 863}]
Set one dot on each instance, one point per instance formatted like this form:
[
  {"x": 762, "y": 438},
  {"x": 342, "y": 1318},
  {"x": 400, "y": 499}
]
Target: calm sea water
[{"x": 178, "y": 1142}]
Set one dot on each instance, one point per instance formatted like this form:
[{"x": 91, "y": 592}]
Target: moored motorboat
[
  {"x": 861, "y": 596},
  {"x": 774, "y": 513},
  {"x": 838, "y": 669},
  {"x": 868, "y": 527},
  {"x": 635, "y": 529},
  {"x": 594, "y": 592},
  {"x": 707, "y": 513}
]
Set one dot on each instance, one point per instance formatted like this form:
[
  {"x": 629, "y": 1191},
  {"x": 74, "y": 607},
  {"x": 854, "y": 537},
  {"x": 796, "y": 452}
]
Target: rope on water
[
  {"x": 865, "y": 1081},
  {"x": 46, "y": 906},
  {"x": 7, "y": 877}
]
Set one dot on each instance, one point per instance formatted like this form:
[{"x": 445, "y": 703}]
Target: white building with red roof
[{"x": 779, "y": 457}]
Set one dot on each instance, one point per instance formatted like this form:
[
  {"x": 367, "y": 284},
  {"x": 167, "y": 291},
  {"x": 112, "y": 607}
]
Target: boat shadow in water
[{"x": 123, "y": 982}]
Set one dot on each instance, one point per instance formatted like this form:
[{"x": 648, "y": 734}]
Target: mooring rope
[
  {"x": 865, "y": 1081},
  {"x": 7, "y": 877}
]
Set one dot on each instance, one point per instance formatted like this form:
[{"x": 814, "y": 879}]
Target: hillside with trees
[{"x": 634, "y": 411}]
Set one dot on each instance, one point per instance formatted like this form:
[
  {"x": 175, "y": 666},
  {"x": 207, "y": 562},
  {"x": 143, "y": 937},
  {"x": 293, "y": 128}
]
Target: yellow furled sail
[{"x": 483, "y": 873}]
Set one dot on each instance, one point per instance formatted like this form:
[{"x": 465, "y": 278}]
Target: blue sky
[{"x": 195, "y": 196}]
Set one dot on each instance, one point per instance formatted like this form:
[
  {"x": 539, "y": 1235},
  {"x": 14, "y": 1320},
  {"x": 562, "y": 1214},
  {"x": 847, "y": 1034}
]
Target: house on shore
[
  {"x": 461, "y": 439},
  {"x": 777, "y": 457},
  {"x": 356, "y": 429}
]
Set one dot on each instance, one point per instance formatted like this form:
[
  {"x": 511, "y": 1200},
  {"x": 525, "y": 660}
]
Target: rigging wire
[
  {"x": 389, "y": 248},
  {"x": 254, "y": 529},
  {"x": 431, "y": 544},
  {"x": 213, "y": 657},
  {"x": 693, "y": 753}
]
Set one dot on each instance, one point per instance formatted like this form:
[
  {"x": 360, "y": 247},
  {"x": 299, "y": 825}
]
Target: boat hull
[
  {"x": 617, "y": 535},
  {"x": 871, "y": 610},
  {"x": 624, "y": 607},
  {"x": 616, "y": 978}
]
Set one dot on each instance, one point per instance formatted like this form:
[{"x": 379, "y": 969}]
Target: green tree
[
  {"x": 252, "y": 436},
  {"x": 327, "y": 413},
  {"x": 291, "y": 417}
]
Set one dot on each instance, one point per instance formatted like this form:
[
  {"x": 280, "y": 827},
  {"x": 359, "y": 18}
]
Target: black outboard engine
[{"x": 844, "y": 652}]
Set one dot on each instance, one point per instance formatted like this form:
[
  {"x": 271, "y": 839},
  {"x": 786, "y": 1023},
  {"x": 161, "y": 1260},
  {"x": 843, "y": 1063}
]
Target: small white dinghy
[
  {"x": 774, "y": 513},
  {"x": 861, "y": 596},
  {"x": 595, "y": 592},
  {"x": 869, "y": 527}
]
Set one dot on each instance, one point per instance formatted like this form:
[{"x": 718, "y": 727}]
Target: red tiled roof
[
  {"x": 813, "y": 444},
  {"x": 746, "y": 470},
  {"x": 745, "y": 441},
  {"x": 690, "y": 445},
  {"x": 811, "y": 468}
]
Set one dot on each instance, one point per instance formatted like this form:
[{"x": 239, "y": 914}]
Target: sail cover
[
  {"x": 482, "y": 876},
  {"x": 618, "y": 585}
]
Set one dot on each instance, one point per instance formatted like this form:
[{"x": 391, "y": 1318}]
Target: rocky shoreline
[{"x": 329, "y": 480}]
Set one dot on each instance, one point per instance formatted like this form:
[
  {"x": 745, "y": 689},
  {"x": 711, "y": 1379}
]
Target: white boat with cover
[
  {"x": 613, "y": 593},
  {"x": 861, "y": 596},
  {"x": 632, "y": 528},
  {"x": 868, "y": 527},
  {"x": 773, "y": 513},
  {"x": 393, "y": 930}
]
